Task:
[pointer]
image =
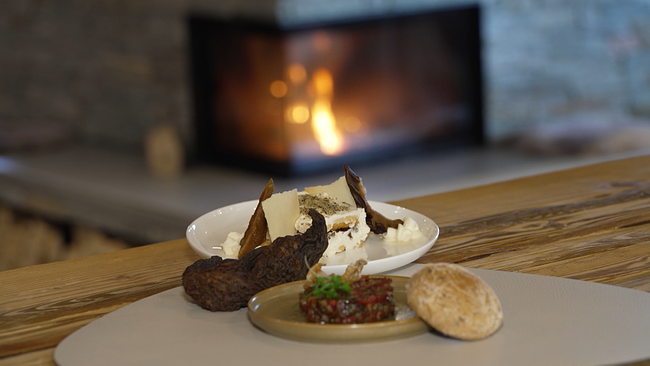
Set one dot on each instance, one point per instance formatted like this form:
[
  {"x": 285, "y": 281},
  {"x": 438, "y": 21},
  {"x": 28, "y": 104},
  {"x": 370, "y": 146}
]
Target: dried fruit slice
[
  {"x": 378, "y": 223},
  {"x": 255, "y": 233}
]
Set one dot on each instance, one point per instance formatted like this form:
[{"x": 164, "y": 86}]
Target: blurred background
[{"x": 121, "y": 121}]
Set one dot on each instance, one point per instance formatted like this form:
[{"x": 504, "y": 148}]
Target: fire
[
  {"x": 322, "y": 118},
  {"x": 297, "y": 113},
  {"x": 324, "y": 128},
  {"x": 278, "y": 89},
  {"x": 320, "y": 89},
  {"x": 297, "y": 73}
]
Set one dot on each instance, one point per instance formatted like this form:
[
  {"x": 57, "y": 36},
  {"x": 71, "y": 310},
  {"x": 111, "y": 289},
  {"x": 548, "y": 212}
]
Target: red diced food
[{"x": 366, "y": 300}]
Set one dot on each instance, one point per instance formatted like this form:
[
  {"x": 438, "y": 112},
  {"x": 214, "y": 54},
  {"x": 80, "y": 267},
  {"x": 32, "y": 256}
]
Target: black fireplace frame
[{"x": 203, "y": 30}]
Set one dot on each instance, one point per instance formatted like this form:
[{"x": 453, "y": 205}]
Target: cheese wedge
[
  {"x": 281, "y": 211},
  {"x": 338, "y": 190}
]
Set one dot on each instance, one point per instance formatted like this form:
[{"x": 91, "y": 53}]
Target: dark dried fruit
[
  {"x": 377, "y": 222},
  {"x": 255, "y": 233},
  {"x": 227, "y": 284}
]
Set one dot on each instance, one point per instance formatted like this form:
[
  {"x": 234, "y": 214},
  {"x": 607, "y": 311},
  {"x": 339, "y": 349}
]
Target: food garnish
[
  {"x": 330, "y": 287},
  {"x": 347, "y": 299},
  {"x": 378, "y": 223},
  {"x": 255, "y": 234}
]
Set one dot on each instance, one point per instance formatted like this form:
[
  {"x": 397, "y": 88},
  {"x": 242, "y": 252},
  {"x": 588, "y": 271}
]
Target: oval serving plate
[
  {"x": 207, "y": 232},
  {"x": 275, "y": 311}
]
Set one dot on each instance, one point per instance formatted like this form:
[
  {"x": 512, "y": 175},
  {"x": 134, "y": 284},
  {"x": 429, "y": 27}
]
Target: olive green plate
[{"x": 276, "y": 312}]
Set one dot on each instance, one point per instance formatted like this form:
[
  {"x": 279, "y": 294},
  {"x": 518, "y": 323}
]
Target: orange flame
[
  {"x": 323, "y": 122},
  {"x": 297, "y": 113}
]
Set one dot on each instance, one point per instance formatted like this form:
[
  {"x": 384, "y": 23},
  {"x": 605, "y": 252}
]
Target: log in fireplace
[{"x": 298, "y": 99}]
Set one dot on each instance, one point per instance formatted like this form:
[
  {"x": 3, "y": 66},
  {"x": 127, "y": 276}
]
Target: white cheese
[
  {"x": 338, "y": 190},
  {"x": 404, "y": 233},
  {"x": 231, "y": 246},
  {"x": 281, "y": 211}
]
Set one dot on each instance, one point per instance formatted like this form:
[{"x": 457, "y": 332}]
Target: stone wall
[
  {"x": 107, "y": 71},
  {"x": 549, "y": 60}
]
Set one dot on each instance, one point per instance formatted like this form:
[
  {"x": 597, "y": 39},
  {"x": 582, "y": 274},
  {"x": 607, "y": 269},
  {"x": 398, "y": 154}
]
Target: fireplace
[{"x": 301, "y": 99}]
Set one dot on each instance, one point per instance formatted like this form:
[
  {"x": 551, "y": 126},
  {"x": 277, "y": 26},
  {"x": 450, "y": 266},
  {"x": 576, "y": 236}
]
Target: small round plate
[
  {"x": 208, "y": 231},
  {"x": 275, "y": 311}
]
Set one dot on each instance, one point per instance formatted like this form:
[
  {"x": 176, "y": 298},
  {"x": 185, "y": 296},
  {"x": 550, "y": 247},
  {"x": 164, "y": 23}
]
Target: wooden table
[{"x": 590, "y": 223}]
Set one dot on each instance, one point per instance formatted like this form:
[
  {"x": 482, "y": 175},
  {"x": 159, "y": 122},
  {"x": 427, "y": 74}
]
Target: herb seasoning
[{"x": 331, "y": 300}]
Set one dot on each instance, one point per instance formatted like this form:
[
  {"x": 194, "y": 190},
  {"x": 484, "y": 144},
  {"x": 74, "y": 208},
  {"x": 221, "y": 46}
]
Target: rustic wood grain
[
  {"x": 532, "y": 192},
  {"x": 556, "y": 239},
  {"x": 41, "y": 305},
  {"x": 590, "y": 223},
  {"x": 37, "y": 358}
]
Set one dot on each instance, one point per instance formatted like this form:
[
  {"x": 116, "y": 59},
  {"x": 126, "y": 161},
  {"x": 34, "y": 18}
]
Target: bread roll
[{"x": 454, "y": 301}]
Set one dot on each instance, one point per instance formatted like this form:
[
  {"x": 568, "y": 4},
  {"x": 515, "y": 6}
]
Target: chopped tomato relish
[{"x": 370, "y": 300}]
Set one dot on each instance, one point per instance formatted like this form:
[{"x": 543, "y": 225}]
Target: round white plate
[{"x": 207, "y": 232}]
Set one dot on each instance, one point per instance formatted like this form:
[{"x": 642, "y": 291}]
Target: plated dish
[
  {"x": 207, "y": 232},
  {"x": 274, "y": 311}
]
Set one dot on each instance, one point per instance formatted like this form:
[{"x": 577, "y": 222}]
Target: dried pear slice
[
  {"x": 377, "y": 222},
  {"x": 255, "y": 233}
]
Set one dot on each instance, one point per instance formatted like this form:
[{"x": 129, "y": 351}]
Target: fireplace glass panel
[{"x": 300, "y": 100}]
